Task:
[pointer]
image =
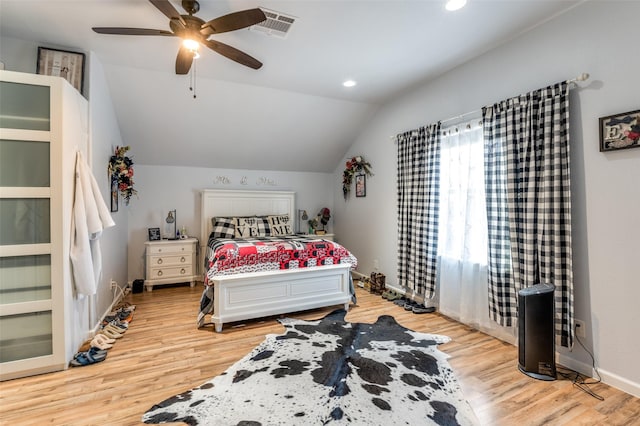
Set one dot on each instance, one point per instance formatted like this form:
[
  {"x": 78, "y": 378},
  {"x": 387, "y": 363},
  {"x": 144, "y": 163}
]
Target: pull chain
[
  {"x": 195, "y": 65},
  {"x": 192, "y": 78}
]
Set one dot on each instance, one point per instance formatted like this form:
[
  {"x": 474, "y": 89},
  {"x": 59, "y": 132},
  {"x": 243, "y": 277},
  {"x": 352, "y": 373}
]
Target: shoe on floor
[
  {"x": 110, "y": 333},
  {"x": 99, "y": 341},
  {"x": 401, "y": 301},
  {"x": 89, "y": 357},
  {"x": 410, "y": 304},
  {"x": 104, "y": 338},
  {"x": 395, "y": 296},
  {"x": 423, "y": 309}
]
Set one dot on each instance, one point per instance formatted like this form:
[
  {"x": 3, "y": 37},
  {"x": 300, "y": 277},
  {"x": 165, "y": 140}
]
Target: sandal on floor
[
  {"x": 85, "y": 358},
  {"x": 100, "y": 343},
  {"x": 120, "y": 324},
  {"x": 104, "y": 338},
  {"x": 401, "y": 301},
  {"x": 111, "y": 334},
  {"x": 123, "y": 314},
  {"x": 117, "y": 326},
  {"x": 113, "y": 329},
  {"x": 94, "y": 352}
]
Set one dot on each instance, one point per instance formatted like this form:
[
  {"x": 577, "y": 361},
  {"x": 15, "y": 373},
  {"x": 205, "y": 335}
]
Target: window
[{"x": 463, "y": 222}]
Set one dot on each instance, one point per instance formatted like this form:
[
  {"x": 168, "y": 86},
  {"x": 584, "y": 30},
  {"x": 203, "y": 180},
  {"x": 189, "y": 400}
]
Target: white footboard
[{"x": 246, "y": 296}]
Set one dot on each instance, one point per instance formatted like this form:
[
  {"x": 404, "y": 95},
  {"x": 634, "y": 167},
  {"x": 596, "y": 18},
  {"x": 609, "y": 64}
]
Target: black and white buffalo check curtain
[
  {"x": 418, "y": 195},
  {"x": 529, "y": 203}
]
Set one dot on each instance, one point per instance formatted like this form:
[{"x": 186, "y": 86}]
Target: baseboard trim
[
  {"x": 609, "y": 378},
  {"x": 358, "y": 275}
]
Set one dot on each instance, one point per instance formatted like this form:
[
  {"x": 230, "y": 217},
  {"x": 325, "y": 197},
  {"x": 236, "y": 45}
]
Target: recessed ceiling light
[
  {"x": 349, "y": 83},
  {"x": 455, "y": 4}
]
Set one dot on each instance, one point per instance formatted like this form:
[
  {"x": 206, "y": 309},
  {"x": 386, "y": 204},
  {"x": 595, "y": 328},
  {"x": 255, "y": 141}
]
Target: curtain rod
[{"x": 582, "y": 77}]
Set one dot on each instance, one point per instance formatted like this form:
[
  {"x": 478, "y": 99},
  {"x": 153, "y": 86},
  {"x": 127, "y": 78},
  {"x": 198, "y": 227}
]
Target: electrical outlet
[
  {"x": 581, "y": 328},
  {"x": 376, "y": 265},
  {"x": 114, "y": 283}
]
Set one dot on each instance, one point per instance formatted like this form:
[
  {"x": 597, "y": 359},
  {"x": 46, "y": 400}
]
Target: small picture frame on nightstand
[{"x": 154, "y": 234}]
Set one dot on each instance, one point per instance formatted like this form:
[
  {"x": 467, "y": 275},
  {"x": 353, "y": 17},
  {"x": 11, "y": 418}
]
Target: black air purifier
[
  {"x": 138, "y": 286},
  {"x": 536, "y": 332}
]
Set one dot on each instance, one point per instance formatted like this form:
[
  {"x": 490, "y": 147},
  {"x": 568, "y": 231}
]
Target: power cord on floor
[
  {"x": 580, "y": 381},
  {"x": 118, "y": 293}
]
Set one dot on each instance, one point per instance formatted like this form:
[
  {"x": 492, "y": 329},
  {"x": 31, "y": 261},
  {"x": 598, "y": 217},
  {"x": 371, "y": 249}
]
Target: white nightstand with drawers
[{"x": 170, "y": 262}]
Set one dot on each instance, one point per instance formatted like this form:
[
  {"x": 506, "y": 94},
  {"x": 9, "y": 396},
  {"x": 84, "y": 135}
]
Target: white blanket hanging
[{"x": 90, "y": 218}]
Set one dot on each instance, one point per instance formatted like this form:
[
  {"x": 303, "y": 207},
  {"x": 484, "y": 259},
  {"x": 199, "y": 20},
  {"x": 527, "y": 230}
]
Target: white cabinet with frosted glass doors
[{"x": 43, "y": 123}]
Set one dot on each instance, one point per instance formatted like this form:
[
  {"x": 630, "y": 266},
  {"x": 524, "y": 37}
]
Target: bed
[{"x": 247, "y": 295}]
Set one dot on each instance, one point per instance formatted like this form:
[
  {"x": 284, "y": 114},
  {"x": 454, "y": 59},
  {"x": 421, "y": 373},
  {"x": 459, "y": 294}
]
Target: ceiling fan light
[
  {"x": 349, "y": 83},
  {"x": 191, "y": 44},
  {"x": 455, "y": 4}
]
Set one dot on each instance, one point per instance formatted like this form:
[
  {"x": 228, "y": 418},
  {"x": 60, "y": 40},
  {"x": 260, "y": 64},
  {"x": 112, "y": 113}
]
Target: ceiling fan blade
[
  {"x": 169, "y": 11},
  {"x": 184, "y": 60},
  {"x": 132, "y": 31},
  {"x": 233, "y": 21},
  {"x": 233, "y": 54}
]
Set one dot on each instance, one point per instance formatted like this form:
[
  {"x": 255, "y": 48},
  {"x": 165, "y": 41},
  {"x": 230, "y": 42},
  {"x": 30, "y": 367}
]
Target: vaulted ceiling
[{"x": 293, "y": 114}]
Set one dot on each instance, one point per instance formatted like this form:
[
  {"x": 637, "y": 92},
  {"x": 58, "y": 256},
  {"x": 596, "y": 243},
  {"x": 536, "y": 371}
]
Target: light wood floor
[{"x": 164, "y": 353}]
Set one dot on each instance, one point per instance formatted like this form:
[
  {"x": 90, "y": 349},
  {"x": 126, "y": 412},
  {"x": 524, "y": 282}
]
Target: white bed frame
[{"x": 260, "y": 294}]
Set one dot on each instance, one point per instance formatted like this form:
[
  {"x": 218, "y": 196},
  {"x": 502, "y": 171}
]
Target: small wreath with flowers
[
  {"x": 355, "y": 166},
  {"x": 121, "y": 171}
]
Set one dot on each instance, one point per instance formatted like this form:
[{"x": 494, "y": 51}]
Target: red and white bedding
[
  {"x": 235, "y": 256},
  {"x": 230, "y": 256}
]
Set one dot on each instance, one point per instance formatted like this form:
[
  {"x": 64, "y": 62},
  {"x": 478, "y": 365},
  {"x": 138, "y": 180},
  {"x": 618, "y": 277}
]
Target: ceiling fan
[{"x": 195, "y": 32}]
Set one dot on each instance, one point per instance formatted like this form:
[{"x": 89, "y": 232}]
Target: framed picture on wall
[
  {"x": 620, "y": 131},
  {"x": 361, "y": 186},
  {"x": 114, "y": 194},
  {"x": 61, "y": 63}
]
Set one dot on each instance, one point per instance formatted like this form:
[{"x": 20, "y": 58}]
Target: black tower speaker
[{"x": 536, "y": 332}]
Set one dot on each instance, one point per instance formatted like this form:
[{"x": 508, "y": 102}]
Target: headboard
[{"x": 225, "y": 202}]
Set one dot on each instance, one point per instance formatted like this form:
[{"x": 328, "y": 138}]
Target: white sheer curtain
[{"x": 462, "y": 241}]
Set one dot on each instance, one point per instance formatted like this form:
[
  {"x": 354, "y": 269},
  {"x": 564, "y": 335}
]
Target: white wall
[
  {"x": 595, "y": 37},
  {"x": 18, "y": 55},
  {"x": 105, "y": 136},
  {"x": 161, "y": 189}
]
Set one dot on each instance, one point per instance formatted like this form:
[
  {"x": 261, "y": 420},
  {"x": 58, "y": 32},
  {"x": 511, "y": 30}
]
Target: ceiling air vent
[{"x": 277, "y": 24}]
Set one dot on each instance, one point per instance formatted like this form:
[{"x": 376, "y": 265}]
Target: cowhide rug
[{"x": 329, "y": 372}]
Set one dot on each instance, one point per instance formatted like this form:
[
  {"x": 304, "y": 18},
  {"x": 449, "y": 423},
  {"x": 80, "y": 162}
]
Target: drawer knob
[
  {"x": 182, "y": 259},
  {"x": 159, "y": 261},
  {"x": 182, "y": 271},
  {"x": 159, "y": 273},
  {"x": 159, "y": 250}
]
